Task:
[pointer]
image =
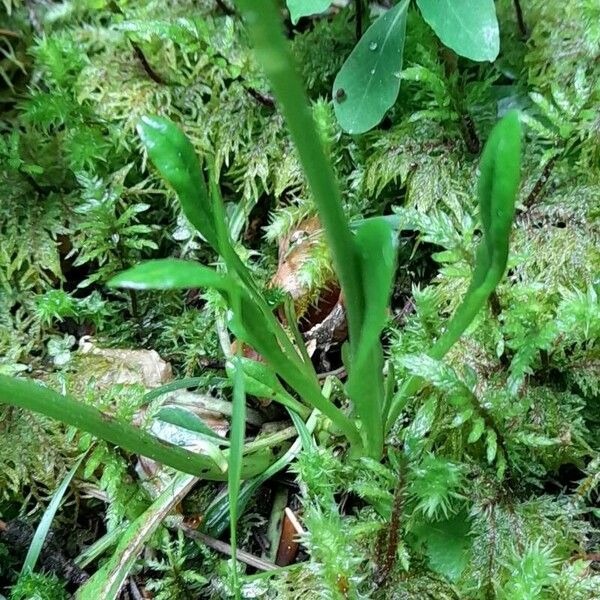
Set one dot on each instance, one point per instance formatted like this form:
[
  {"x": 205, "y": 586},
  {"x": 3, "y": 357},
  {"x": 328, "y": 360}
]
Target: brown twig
[
  {"x": 264, "y": 99},
  {"x": 388, "y": 546},
  {"x": 224, "y": 548},
  {"x": 540, "y": 183},
  {"x": 147, "y": 67}
]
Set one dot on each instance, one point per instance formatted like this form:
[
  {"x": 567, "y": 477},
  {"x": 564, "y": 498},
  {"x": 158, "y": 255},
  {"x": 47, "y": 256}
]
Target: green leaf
[
  {"x": 447, "y": 544},
  {"x": 173, "y": 155},
  {"x": 41, "y": 532},
  {"x": 238, "y": 432},
  {"x": 188, "y": 420},
  {"x": 170, "y": 274},
  {"x": 31, "y": 396},
  {"x": 305, "y": 8},
  {"x": 476, "y": 431},
  {"x": 261, "y": 381},
  {"x": 498, "y": 184},
  {"x": 491, "y": 445},
  {"x": 369, "y": 81},
  {"x": 469, "y": 27},
  {"x": 376, "y": 247},
  {"x": 499, "y": 178},
  {"x": 106, "y": 583}
]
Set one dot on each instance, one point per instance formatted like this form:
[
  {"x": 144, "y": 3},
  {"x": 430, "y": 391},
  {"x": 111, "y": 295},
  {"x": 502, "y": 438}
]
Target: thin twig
[
  {"x": 147, "y": 67},
  {"x": 224, "y": 548},
  {"x": 359, "y": 7},
  {"x": 10, "y": 33},
  {"x": 520, "y": 20},
  {"x": 135, "y": 591},
  {"x": 340, "y": 373},
  {"x": 264, "y": 99},
  {"x": 540, "y": 183}
]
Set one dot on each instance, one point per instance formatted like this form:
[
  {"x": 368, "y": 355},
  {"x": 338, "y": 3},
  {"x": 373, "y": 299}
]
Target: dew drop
[
  {"x": 373, "y": 46},
  {"x": 372, "y": 71}
]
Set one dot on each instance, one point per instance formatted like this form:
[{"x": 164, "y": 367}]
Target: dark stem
[
  {"x": 226, "y": 9},
  {"x": 264, "y": 99},
  {"x": 388, "y": 548},
  {"x": 540, "y": 183},
  {"x": 360, "y": 9},
  {"x": 467, "y": 127},
  {"x": 470, "y": 134},
  {"x": 520, "y": 20},
  {"x": 147, "y": 67},
  {"x": 135, "y": 311},
  {"x": 495, "y": 304}
]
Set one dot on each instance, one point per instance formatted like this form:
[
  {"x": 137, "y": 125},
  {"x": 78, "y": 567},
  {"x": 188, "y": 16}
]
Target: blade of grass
[
  {"x": 247, "y": 324},
  {"x": 108, "y": 540},
  {"x": 238, "y": 432},
  {"x": 31, "y": 396},
  {"x": 43, "y": 528},
  {"x": 106, "y": 583},
  {"x": 214, "y": 522}
]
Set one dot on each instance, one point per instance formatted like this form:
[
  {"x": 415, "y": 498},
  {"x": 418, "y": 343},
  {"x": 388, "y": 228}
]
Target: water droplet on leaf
[{"x": 373, "y": 46}]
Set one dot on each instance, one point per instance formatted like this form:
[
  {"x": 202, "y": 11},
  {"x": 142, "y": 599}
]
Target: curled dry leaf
[{"x": 320, "y": 309}]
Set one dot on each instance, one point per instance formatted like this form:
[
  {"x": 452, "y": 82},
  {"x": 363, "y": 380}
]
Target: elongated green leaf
[
  {"x": 31, "y": 396},
  {"x": 238, "y": 432},
  {"x": 173, "y": 155},
  {"x": 304, "y": 8},
  {"x": 170, "y": 274},
  {"x": 469, "y": 27},
  {"x": 369, "y": 81},
  {"x": 41, "y": 532},
  {"x": 106, "y": 583},
  {"x": 498, "y": 186},
  {"x": 261, "y": 381},
  {"x": 377, "y": 251},
  {"x": 273, "y": 53},
  {"x": 188, "y": 420}
]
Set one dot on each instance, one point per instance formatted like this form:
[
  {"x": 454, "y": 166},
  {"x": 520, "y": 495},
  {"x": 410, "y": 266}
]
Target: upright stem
[
  {"x": 520, "y": 20},
  {"x": 359, "y": 7}
]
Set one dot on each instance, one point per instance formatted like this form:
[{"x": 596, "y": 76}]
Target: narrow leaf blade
[
  {"x": 106, "y": 583},
  {"x": 170, "y": 274},
  {"x": 43, "y": 528}
]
